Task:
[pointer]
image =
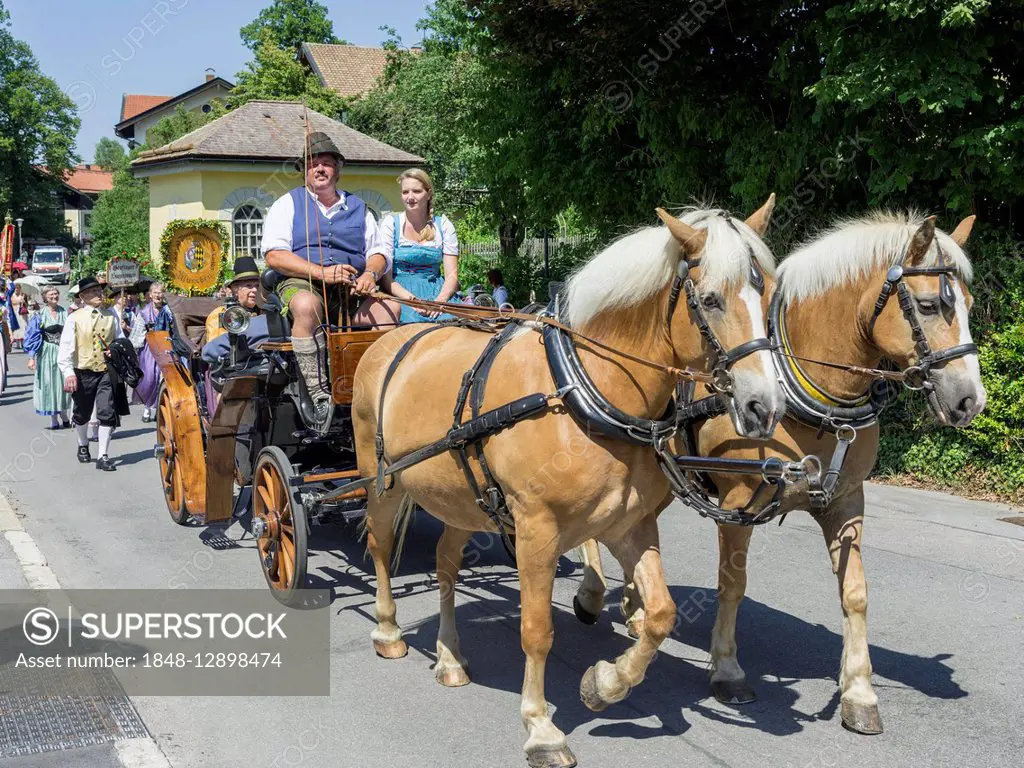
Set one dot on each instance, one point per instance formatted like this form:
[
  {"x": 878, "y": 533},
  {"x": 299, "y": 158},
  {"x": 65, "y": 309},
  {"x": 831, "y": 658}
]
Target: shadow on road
[{"x": 777, "y": 650}]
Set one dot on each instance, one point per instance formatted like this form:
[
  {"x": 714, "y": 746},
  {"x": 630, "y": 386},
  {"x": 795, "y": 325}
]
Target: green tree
[
  {"x": 120, "y": 222},
  {"x": 109, "y": 154},
  {"x": 38, "y": 124},
  {"x": 433, "y": 104},
  {"x": 275, "y": 74},
  {"x": 288, "y": 24}
]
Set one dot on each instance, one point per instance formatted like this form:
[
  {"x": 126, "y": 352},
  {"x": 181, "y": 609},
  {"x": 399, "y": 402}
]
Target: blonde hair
[{"x": 418, "y": 174}]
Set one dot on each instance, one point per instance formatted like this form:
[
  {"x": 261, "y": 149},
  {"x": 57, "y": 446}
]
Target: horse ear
[
  {"x": 759, "y": 219},
  {"x": 691, "y": 239},
  {"x": 920, "y": 243},
  {"x": 963, "y": 231}
]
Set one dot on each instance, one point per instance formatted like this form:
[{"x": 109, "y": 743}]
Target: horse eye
[
  {"x": 927, "y": 306},
  {"x": 711, "y": 301}
]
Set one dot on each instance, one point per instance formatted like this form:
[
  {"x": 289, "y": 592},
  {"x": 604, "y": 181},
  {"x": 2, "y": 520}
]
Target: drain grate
[{"x": 54, "y": 719}]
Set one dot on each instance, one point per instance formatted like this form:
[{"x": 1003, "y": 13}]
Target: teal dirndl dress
[{"x": 417, "y": 268}]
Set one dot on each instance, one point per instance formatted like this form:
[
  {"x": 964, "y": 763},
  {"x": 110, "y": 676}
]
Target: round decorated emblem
[{"x": 195, "y": 259}]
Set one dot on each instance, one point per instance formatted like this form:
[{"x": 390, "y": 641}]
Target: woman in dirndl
[
  {"x": 42, "y": 338},
  {"x": 420, "y": 243},
  {"x": 155, "y": 316}
]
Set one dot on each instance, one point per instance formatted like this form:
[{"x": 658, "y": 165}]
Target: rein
[{"x": 496, "y": 314}]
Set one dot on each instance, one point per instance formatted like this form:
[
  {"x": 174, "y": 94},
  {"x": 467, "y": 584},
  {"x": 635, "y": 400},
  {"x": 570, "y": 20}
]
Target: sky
[{"x": 98, "y": 50}]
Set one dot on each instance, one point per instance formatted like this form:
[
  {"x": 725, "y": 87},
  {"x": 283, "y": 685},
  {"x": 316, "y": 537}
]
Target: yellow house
[{"x": 232, "y": 169}]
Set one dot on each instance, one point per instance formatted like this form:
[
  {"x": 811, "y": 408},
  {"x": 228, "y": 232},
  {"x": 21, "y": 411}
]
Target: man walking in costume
[
  {"x": 316, "y": 236},
  {"x": 82, "y": 357}
]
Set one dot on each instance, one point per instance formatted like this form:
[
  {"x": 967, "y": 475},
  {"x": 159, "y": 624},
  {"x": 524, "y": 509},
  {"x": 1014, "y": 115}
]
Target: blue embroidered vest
[{"x": 341, "y": 239}]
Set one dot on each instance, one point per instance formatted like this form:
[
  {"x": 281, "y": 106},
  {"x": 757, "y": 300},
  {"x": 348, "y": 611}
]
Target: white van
[{"x": 52, "y": 262}]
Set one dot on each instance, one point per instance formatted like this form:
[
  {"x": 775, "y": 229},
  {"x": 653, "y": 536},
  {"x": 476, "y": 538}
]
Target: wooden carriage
[{"x": 246, "y": 424}]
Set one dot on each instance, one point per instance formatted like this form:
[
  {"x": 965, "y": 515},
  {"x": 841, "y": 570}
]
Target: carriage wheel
[
  {"x": 167, "y": 456},
  {"x": 280, "y": 522}
]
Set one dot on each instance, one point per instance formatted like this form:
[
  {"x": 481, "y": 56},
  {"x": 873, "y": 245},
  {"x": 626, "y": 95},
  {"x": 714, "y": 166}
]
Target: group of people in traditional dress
[{"x": 69, "y": 350}]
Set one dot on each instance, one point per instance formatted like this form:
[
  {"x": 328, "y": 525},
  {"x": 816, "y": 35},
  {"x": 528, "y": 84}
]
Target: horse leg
[
  {"x": 728, "y": 680},
  {"x": 631, "y": 606},
  {"x": 638, "y": 551},
  {"x": 537, "y": 555},
  {"x": 451, "y": 668},
  {"x": 380, "y": 538},
  {"x": 841, "y": 525},
  {"x": 589, "y": 599}
]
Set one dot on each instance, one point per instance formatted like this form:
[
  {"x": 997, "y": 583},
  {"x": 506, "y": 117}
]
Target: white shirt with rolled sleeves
[
  {"x": 67, "y": 350},
  {"x": 277, "y": 229}
]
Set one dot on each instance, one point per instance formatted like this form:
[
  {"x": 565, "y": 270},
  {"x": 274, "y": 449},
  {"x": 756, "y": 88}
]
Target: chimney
[{"x": 211, "y": 73}]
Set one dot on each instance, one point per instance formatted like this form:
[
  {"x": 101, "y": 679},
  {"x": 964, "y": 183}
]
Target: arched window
[{"x": 247, "y": 225}]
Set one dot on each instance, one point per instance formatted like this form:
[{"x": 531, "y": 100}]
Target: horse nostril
[
  {"x": 758, "y": 410},
  {"x": 966, "y": 406}
]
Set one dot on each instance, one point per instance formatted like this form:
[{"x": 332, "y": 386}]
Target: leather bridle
[
  {"x": 918, "y": 377},
  {"x": 722, "y": 359}
]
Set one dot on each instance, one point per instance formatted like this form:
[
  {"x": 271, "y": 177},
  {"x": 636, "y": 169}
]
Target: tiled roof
[
  {"x": 90, "y": 179},
  {"x": 134, "y": 104},
  {"x": 87, "y": 179},
  {"x": 274, "y": 130},
  {"x": 348, "y": 70}
]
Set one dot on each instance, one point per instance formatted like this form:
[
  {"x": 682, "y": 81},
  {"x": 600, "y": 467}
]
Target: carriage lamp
[{"x": 235, "y": 320}]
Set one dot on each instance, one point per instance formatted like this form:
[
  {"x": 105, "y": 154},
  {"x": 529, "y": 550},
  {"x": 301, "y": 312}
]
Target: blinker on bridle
[{"x": 918, "y": 376}]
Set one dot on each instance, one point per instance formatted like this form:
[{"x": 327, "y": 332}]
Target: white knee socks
[
  {"x": 105, "y": 440},
  {"x": 82, "y": 430}
]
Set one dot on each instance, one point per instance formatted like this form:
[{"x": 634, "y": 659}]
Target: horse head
[
  {"x": 923, "y": 325},
  {"x": 725, "y": 274}
]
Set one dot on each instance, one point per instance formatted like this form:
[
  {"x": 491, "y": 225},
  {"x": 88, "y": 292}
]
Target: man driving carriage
[{"x": 320, "y": 239}]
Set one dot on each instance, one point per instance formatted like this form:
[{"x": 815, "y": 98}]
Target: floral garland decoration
[{"x": 177, "y": 226}]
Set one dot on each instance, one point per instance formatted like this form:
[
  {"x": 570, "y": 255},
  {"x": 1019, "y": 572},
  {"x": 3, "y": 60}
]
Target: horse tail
[
  {"x": 406, "y": 510},
  {"x": 403, "y": 518}
]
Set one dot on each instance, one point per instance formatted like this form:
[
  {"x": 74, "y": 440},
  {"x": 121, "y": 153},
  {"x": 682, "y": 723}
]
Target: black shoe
[
  {"x": 105, "y": 464},
  {"x": 83, "y": 454},
  {"x": 65, "y": 425}
]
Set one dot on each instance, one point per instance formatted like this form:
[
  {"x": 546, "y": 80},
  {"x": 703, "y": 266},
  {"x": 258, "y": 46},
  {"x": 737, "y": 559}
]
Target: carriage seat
[{"x": 190, "y": 313}]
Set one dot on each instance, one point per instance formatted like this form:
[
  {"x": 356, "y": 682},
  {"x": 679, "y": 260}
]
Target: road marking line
[{"x": 131, "y": 753}]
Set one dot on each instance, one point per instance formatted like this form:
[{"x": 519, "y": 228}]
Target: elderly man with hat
[
  {"x": 320, "y": 238},
  {"x": 82, "y": 356},
  {"x": 245, "y": 288}
]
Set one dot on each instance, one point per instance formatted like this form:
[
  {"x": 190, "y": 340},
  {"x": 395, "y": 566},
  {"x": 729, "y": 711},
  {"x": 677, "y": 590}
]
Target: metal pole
[{"x": 21, "y": 247}]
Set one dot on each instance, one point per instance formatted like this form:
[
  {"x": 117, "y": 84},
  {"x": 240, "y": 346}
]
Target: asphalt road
[{"x": 946, "y": 580}]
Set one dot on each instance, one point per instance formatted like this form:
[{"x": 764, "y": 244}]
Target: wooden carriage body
[{"x": 204, "y": 450}]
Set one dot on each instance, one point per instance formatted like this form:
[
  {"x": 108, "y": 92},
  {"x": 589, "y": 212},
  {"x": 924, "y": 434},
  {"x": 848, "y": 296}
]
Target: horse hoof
[
  {"x": 733, "y": 691},
  {"x": 589, "y": 694},
  {"x": 452, "y": 677},
  {"x": 861, "y": 719},
  {"x": 551, "y": 757},
  {"x": 585, "y": 616},
  {"x": 394, "y": 650}
]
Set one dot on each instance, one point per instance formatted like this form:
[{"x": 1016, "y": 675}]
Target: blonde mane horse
[
  {"x": 563, "y": 486},
  {"x": 830, "y": 287}
]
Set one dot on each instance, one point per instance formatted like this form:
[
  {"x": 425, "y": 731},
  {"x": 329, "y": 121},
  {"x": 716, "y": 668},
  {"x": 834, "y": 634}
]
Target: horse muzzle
[
  {"x": 956, "y": 398},
  {"x": 757, "y": 405}
]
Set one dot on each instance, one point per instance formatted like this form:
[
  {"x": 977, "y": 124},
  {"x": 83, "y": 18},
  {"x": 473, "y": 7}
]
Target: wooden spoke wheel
[
  {"x": 280, "y": 526},
  {"x": 167, "y": 456}
]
